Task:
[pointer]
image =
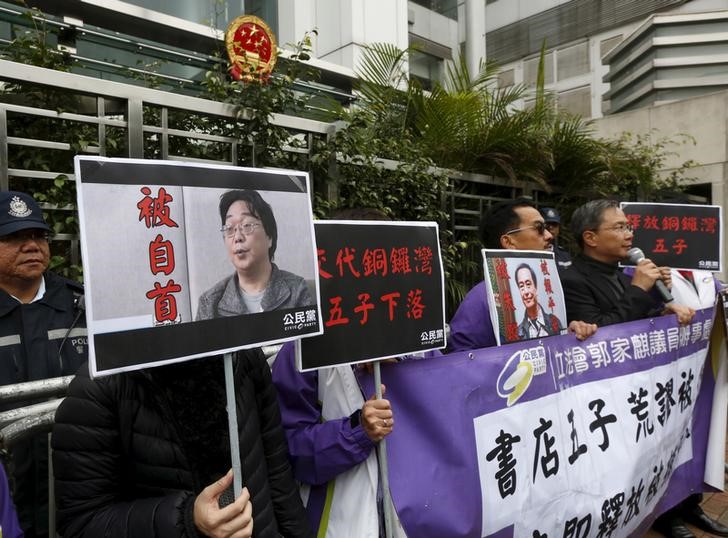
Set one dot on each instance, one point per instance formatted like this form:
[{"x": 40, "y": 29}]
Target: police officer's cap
[
  {"x": 551, "y": 215},
  {"x": 19, "y": 211}
]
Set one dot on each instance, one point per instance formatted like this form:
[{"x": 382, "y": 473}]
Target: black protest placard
[
  {"x": 169, "y": 247},
  {"x": 680, "y": 236},
  {"x": 382, "y": 292}
]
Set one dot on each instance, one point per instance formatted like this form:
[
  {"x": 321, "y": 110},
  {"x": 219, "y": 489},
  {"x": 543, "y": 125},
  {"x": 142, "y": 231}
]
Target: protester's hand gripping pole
[
  {"x": 233, "y": 425},
  {"x": 383, "y": 467}
]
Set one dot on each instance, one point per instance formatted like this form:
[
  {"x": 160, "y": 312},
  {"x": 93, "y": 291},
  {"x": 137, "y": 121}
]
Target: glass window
[
  {"x": 506, "y": 78},
  {"x": 448, "y": 8},
  {"x": 214, "y": 13},
  {"x": 530, "y": 69},
  {"x": 572, "y": 61},
  {"x": 576, "y": 101},
  {"x": 425, "y": 68}
]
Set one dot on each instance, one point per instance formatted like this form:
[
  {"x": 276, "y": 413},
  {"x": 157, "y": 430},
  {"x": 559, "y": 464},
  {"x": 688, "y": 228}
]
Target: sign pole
[
  {"x": 383, "y": 467},
  {"x": 233, "y": 425}
]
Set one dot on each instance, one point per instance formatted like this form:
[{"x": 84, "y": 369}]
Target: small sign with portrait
[
  {"x": 184, "y": 260},
  {"x": 524, "y": 295}
]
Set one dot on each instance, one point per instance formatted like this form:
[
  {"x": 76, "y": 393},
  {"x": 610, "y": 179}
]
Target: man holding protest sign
[
  {"x": 147, "y": 453},
  {"x": 595, "y": 288},
  {"x": 144, "y": 441},
  {"x": 332, "y": 432},
  {"x": 42, "y": 335},
  {"x": 513, "y": 224},
  {"x": 693, "y": 235}
]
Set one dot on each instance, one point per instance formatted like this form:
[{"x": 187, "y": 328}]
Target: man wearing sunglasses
[
  {"x": 42, "y": 335},
  {"x": 513, "y": 224}
]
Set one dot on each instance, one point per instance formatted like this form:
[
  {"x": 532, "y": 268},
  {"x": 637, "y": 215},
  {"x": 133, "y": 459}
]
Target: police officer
[
  {"x": 42, "y": 335},
  {"x": 553, "y": 224}
]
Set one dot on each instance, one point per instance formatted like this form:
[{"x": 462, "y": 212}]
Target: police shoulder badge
[
  {"x": 251, "y": 47},
  {"x": 18, "y": 208}
]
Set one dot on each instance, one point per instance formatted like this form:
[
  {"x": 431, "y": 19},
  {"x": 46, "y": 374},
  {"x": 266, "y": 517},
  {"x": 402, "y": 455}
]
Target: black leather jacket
[
  {"x": 131, "y": 452},
  {"x": 601, "y": 293}
]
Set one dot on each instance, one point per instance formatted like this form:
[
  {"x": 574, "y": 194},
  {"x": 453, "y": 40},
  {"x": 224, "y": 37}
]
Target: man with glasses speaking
[
  {"x": 516, "y": 225},
  {"x": 250, "y": 235},
  {"x": 595, "y": 288},
  {"x": 42, "y": 335}
]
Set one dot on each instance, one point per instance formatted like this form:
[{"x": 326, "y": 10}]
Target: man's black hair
[
  {"x": 589, "y": 216},
  {"x": 499, "y": 219},
  {"x": 533, "y": 274},
  {"x": 258, "y": 207}
]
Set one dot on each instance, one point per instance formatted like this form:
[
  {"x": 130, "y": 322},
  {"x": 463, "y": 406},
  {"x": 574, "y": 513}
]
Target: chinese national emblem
[
  {"x": 251, "y": 47},
  {"x": 18, "y": 208}
]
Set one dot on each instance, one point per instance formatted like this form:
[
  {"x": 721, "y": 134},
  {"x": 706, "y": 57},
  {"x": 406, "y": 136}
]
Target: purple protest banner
[{"x": 539, "y": 437}]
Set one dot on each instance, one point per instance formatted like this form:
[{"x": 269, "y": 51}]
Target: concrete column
[{"x": 474, "y": 34}]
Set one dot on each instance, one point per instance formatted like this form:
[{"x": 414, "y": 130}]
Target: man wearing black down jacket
[{"x": 147, "y": 453}]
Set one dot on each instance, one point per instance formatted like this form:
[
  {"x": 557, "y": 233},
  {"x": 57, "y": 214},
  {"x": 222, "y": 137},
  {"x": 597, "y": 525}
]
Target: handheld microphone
[{"x": 635, "y": 256}]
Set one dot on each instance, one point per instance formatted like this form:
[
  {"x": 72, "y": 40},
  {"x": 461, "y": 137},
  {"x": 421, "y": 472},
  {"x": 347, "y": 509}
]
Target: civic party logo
[{"x": 516, "y": 375}]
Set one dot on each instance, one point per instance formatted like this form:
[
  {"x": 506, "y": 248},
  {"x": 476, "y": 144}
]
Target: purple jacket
[
  {"x": 319, "y": 451},
  {"x": 9, "y": 526},
  {"x": 470, "y": 327}
]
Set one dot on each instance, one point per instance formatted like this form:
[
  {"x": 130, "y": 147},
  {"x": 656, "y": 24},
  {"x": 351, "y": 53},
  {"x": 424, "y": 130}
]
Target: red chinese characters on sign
[
  {"x": 345, "y": 257},
  {"x": 689, "y": 224},
  {"x": 672, "y": 224},
  {"x": 161, "y": 256},
  {"x": 399, "y": 261},
  {"x": 389, "y": 303},
  {"x": 678, "y": 246},
  {"x": 635, "y": 221},
  {"x": 423, "y": 256},
  {"x": 708, "y": 225},
  {"x": 336, "y": 314},
  {"x": 650, "y": 223},
  {"x": 508, "y": 301},
  {"x": 501, "y": 269},
  {"x": 547, "y": 286},
  {"x": 512, "y": 332},
  {"x": 165, "y": 305},
  {"x": 364, "y": 307},
  {"x": 376, "y": 263},
  {"x": 321, "y": 253},
  {"x": 415, "y": 308},
  {"x": 155, "y": 212},
  {"x": 391, "y": 299},
  {"x": 660, "y": 247}
]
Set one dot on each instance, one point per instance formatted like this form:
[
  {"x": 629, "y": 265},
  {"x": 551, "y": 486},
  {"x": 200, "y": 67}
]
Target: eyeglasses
[
  {"x": 246, "y": 229},
  {"x": 540, "y": 228},
  {"x": 620, "y": 228},
  {"x": 21, "y": 236}
]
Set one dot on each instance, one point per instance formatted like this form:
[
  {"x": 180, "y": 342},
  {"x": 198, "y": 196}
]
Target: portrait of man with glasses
[{"x": 250, "y": 236}]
